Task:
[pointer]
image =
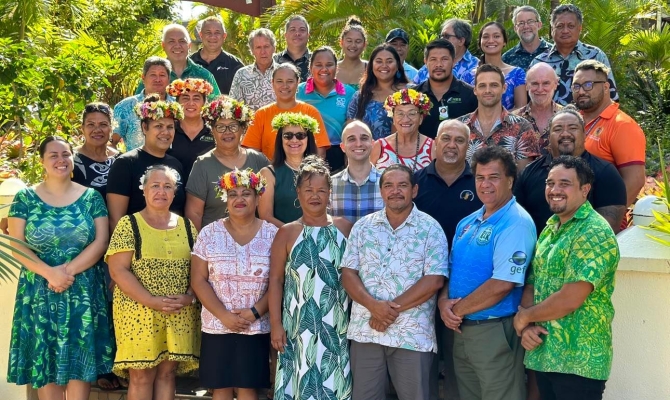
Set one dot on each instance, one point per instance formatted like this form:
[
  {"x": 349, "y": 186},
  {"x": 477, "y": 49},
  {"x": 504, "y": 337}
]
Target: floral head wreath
[
  {"x": 227, "y": 108},
  {"x": 236, "y": 178},
  {"x": 408, "y": 96},
  {"x": 179, "y": 87},
  {"x": 159, "y": 109},
  {"x": 296, "y": 119}
]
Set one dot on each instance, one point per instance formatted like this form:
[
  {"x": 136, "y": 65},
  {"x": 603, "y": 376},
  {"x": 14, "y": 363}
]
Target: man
[
  {"x": 127, "y": 126},
  {"x": 610, "y": 133},
  {"x": 355, "y": 193},
  {"x": 568, "y": 51},
  {"x": 459, "y": 33},
  {"x": 176, "y": 43},
  {"x": 220, "y": 63},
  {"x": 447, "y": 193},
  {"x": 541, "y": 82},
  {"x": 253, "y": 84},
  {"x": 450, "y": 97},
  {"x": 527, "y": 24},
  {"x": 487, "y": 267},
  {"x": 296, "y": 53},
  {"x": 399, "y": 40},
  {"x": 566, "y": 325},
  {"x": 395, "y": 262},
  {"x": 608, "y": 192},
  {"x": 490, "y": 124}
]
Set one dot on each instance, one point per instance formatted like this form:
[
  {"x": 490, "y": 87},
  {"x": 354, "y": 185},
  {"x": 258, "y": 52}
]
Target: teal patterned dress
[
  {"x": 315, "y": 362},
  {"x": 58, "y": 337}
]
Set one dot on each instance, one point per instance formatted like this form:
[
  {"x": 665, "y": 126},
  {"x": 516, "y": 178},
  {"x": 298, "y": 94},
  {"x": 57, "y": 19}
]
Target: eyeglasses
[
  {"x": 410, "y": 114},
  {"x": 530, "y": 22},
  {"x": 587, "y": 86},
  {"x": 291, "y": 135},
  {"x": 448, "y": 36},
  {"x": 232, "y": 128}
]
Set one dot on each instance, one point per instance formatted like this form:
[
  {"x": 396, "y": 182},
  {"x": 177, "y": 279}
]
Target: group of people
[{"x": 323, "y": 225}]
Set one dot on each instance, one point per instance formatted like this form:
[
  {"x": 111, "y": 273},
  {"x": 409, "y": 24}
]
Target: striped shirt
[{"x": 353, "y": 201}]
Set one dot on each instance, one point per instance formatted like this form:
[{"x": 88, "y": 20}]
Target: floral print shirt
[
  {"x": 389, "y": 262},
  {"x": 253, "y": 87}
]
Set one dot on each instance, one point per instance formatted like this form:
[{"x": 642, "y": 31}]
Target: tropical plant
[
  {"x": 7, "y": 261},
  {"x": 662, "y": 222}
]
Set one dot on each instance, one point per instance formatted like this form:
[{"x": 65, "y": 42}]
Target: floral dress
[
  {"x": 375, "y": 117},
  {"x": 59, "y": 337}
]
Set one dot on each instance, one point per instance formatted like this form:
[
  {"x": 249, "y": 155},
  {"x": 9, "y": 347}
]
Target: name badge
[{"x": 444, "y": 112}]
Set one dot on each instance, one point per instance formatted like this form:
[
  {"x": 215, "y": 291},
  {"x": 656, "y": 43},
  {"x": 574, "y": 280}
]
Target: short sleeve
[
  {"x": 119, "y": 178},
  {"x": 352, "y": 109},
  {"x": 200, "y": 247},
  {"x": 609, "y": 188},
  {"x": 595, "y": 257},
  {"x": 98, "y": 207},
  {"x": 197, "y": 181},
  {"x": 19, "y": 207},
  {"x": 254, "y": 136},
  {"x": 627, "y": 144},
  {"x": 468, "y": 77},
  {"x": 512, "y": 252},
  {"x": 235, "y": 90},
  {"x": 351, "y": 258},
  {"x": 321, "y": 138},
  {"x": 120, "y": 123},
  {"x": 437, "y": 252},
  {"x": 122, "y": 239}
]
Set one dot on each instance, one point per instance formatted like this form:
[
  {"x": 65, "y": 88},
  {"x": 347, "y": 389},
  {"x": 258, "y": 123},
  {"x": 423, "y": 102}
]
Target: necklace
[
  {"x": 416, "y": 156},
  {"x": 224, "y": 158}
]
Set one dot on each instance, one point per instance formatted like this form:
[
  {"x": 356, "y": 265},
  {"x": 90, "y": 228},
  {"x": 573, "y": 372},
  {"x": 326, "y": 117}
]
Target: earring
[
  {"x": 295, "y": 203},
  {"x": 397, "y": 74},
  {"x": 71, "y": 174}
]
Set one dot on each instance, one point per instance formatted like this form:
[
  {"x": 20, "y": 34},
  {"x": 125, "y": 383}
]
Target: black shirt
[
  {"x": 447, "y": 204},
  {"x": 608, "y": 188},
  {"x": 223, "y": 67},
  {"x": 186, "y": 150},
  {"x": 458, "y": 100},
  {"x": 124, "y": 179},
  {"x": 302, "y": 63}
]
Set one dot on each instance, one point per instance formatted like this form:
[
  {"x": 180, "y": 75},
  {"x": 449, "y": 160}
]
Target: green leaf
[
  {"x": 323, "y": 238},
  {"x": 310, "y": 383},
  {"x": 308, "y": 285},
  {"x": 310, "y": 318},
  {"x": 310, "y": 355},
  {"x": 305, "y": 252},
  {"x": 329, "y": 362},
  {"x": 329, "y": 337},
  {"x": 328, "y": 274},
  {"x": 327, "y": 299}
]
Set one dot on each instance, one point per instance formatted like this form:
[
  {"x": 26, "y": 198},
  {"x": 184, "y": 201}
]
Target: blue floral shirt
[
  {"x": 516, "y": 77},
  {"x": 375, "y": 116},
  {"x": 127, "y": 123}
]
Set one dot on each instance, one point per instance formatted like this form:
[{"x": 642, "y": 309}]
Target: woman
[
  {"x": 295, "y": 141},
  {"x": 305, "y": 278},
  {"x": 492, "y": 41},
  {"x": 407, "y": 146},
  {"x": 66, "y": 225},
  {"x": 330, "y": 97},
  {"x": 230, "y": 269},
  {"x": 124, "y": 197},
  {"x": 155, "y": 315},
  {"x": 383, "y": 76},
  {"x": 192, "y": 135},
  {"x": 229, "y": 119},
  {"x": 94, "y": 158},
  {"x": 261, "y": 135},
  {"x": 353, "y": 41}
]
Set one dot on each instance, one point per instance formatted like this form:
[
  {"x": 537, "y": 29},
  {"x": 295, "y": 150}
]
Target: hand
[
  {"x": 377, "y": 325},
  {"x": 451, "y": 320},
  {"x": 278, "y": 337},
  {"x": 177, "y": 301},
  {"x": 520, "y": 321},
  {"x": 59, "y": 279},
  {"x": 385, "y": 311},
  {"x": 233, "y": 321},
  {"x": 530, "y": 337},
  {"x": 247, "y": 314},
  {"x": 164, "y": 304}
]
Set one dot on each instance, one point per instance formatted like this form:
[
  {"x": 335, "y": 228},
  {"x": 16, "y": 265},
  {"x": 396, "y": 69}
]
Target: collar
[
  {"x": 285, "y": 54},
  {"x": 542, "y": 46},
  {"x": 525, "y": 110},
  {"x": 379, "y": 218},
  {"x": 577, "y": 49},
  {"x": 339, "y": 87},
  {"x": 610, "y": 112},
  {"x": 467, "y": 56},
  {"x": 373, "y": 177},
  {"x": 432, "y": 170},
  {"x": 582, "y": 213},
  {"x": 472, "y": 117},
  {"x": 272, "y": 67},
  {"x": 455, "y": 86},
  {"x": 493, "y": 219}
]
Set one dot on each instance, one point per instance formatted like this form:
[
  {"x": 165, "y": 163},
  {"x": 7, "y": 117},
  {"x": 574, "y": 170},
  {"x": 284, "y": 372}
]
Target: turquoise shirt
[
  {"x": 333, "y": 107},
  {"x": 127, "y": 124}
]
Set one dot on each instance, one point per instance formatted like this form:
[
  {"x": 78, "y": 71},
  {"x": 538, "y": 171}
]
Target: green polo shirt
[
  {"x": 583, "y": 249},
  {"x": 192, "y": 70}
]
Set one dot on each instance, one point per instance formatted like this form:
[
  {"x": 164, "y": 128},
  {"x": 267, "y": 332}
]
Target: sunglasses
[
  {"x": 103, "y": 108},
  {"x": 291, "y": 135}
]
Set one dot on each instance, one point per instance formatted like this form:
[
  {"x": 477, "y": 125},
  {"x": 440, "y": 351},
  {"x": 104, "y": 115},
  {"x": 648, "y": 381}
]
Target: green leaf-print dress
[
  {"x": 58, "y": 337},
  {"x": 315, "y": 362}
]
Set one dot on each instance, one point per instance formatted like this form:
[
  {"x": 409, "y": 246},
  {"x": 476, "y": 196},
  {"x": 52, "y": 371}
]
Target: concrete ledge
[{"x": 642, "y": 254}]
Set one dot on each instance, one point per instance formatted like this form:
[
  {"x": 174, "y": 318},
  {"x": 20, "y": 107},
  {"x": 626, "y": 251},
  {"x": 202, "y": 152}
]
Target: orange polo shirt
[
  {"x": 616, "y": 137},
  {"x": 260, "y": 134}
]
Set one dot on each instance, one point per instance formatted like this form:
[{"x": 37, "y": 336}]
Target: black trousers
[{"x": 558, "y": 386}]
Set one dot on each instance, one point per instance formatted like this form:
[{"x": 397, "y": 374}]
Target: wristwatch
[{"x": 256, "y": 314}]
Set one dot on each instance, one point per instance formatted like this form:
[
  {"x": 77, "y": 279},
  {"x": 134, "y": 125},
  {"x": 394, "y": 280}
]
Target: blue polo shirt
[
  {"x": 333, "y": 107},
  {"x": 499, "y": 247}
]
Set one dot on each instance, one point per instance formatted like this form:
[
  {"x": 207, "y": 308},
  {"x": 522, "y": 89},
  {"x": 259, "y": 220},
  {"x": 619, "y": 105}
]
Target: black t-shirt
[
  {"x": 447, "y": 204},
  {"x": 456, "y": 102},
  {"x": 608, "y": 188},
  {"x": 222, "y": 67},
  {"x": 186, "y": 150},
  {"x": 124, "y": 179}
]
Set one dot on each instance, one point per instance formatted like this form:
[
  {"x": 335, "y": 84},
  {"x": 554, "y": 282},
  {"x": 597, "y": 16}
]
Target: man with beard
[
  {"x": 541, "y": 81},
  {"x": 527, "y": 24},
  {"x": 449, "y": 96},
  {"x": 608, "y": 192},
  {"x": 610, "y": 133},
  {"x": 565, "y": 318}
]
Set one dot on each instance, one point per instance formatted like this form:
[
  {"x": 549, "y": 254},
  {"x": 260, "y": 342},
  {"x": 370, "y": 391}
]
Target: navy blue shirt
[
  {"x": 447, "y": 204},
  {"x": 459, "y": 100}
]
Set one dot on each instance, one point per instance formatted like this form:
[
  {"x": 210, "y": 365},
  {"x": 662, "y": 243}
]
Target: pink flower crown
[{"x": 179, "y": 87}]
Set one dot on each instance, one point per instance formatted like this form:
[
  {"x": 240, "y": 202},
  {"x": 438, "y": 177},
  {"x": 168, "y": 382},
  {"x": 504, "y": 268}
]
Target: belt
[{"x": 468, "y": 322}]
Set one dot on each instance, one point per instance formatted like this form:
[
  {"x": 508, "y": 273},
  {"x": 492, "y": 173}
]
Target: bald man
[{"x": 541, "y": 82}]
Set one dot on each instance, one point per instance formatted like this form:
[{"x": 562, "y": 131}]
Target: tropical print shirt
[
  {"x": 565, "y": 68},
  {"x": 126, "y": 122},
  {"x": 253, "y": 87},
  {"x": 465, "y": 64},
  {"x": 543, "y": 135},
  {"x": 511, "y": 132},
  {"x": 519, "y": 57},
  {"x": 584, "y": 249},
  {"x": 389, "y": 262}
]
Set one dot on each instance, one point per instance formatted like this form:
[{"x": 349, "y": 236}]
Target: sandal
[{"x": 108, "y": 382}]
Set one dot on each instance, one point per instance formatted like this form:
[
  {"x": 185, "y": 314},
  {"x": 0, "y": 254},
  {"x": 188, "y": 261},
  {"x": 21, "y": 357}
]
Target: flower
[
  {"x": 408, "y": 96},
  {"x": 142, "y": 180},
  {"x": 159, "y": 109},
  {"x": 227, "y": 108},
  {"x": 179, "y": 87},
  {"x": 296, "y": 119},
  {"x": 236, "y": 178}
]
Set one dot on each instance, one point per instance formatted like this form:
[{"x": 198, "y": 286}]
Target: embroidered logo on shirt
[
  {"x": 206, "y": 139},
  {"x": 485, "y": 236},
  {"x": 340, "y": 102},
  {"x": 597, "y": 133},
  {"x": 467, "y": 195}
]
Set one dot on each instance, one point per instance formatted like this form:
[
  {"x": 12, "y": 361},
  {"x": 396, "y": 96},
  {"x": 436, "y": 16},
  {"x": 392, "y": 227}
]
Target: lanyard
[{"x": 592, "y": 125}]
